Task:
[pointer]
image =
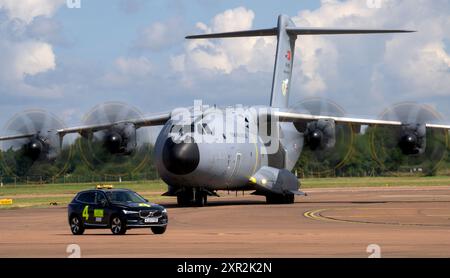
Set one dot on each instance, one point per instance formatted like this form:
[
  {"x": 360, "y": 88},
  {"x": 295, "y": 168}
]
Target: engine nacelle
[
  {"x": 120, "y": 139},
  {"x": 34, "y": 148},
  {"x": 320, "y": 135},
  {"x": 413, "y": 139},
  {"x": 113, "y": 142}
]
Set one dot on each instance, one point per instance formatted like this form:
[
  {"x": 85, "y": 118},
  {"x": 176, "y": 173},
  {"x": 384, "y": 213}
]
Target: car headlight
[
  {"x": 164, "y": 211},
  {"x": 129, "y": 211}
]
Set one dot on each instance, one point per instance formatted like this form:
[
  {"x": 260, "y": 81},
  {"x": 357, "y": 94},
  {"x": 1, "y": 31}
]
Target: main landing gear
[
  {"x": 192, "y": 197},
  {"x": 197, "y": 197}
]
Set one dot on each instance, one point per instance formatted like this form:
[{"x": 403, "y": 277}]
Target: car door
[
  {"x": 87, "y": 199},
  {"x": 101, "y": 210}
]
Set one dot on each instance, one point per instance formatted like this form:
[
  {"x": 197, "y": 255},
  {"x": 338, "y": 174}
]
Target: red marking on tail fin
[{"x": 288, "y": 55}]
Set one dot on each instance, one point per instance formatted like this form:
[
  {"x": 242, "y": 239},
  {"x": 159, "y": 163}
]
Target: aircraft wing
[
  {"x": 299, "y": 117},
  {"x": 14, "y": 137},
  {"x": 155, "y": 120}
]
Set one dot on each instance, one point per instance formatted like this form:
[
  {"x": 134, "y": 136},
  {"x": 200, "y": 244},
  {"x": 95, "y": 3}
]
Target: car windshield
[{"x": 125, "y": 197}]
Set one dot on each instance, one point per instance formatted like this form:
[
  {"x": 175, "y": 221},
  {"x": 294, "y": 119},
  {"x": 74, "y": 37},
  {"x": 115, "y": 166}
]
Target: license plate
[{"x": 151, "y": 220}]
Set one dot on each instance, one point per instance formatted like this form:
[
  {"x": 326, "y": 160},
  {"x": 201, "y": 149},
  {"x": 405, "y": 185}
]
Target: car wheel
[
  {"x": 159, "y": 230},
  {"x": 118, "y": 226},
  {"x": 76, "y": 226}
]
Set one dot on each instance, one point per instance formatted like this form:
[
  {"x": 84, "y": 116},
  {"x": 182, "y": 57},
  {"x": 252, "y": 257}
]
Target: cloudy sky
[{"x": 69, "y": 60}]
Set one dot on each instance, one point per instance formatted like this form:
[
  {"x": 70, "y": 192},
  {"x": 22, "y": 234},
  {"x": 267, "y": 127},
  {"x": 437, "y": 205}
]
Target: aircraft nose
[{"x": 182, "y": 158}]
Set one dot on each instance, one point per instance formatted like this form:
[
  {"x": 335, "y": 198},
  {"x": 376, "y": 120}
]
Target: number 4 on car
[{"x": 115, "y": 209}]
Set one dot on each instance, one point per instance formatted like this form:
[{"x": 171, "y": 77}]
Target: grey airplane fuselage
[{"x": 226, "y": 164}]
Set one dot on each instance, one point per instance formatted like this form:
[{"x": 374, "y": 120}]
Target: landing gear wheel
[
  {"x": 280, "y": 199},
  {"x": 76, "y": 226},
  {"x": 290, "y": 198},
  {"x": 201, "y": 199},
  {"x": 118, "y": 226},
  {"x": 188, "y": 198},
  {"x": 159, "y": 230},
  {"x": 184, "y": 200}
]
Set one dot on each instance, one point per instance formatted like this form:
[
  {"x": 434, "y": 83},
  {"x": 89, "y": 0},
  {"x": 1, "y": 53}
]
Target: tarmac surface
[{"x": 402, "y": 222}]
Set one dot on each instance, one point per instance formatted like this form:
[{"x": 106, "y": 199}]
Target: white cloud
[
  {"x": 128, "y": 71},
  {"x": 134, "y": 66},
  {"x": 32, "y": 58},
  {"x": 27, "y": 10},
  {"x": 177, "y": 63},
  {"x": 21, "y": 55},
  {"x": 226, "y": 55},
  {"x": 234, "y": 19},
  {"x": 416, "y": 64},
  {"x": 159, "y": 35}
]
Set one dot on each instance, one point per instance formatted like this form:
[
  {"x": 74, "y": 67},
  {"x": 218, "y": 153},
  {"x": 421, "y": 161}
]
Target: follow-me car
[{"x": 117, "y": 209}]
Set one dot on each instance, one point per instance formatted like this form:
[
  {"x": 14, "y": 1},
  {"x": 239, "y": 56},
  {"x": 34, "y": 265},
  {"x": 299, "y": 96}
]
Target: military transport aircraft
[{"x": 195, "y": 169}]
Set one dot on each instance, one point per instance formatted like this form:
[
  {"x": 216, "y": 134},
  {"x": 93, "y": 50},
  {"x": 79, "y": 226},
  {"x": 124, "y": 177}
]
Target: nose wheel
[{"x": 192, "y": 198}]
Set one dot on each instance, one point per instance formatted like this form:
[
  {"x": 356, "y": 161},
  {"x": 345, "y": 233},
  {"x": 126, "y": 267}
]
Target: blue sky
[
  {"x": 104, "y": 29},
  {"x": 69, "y": 60}
]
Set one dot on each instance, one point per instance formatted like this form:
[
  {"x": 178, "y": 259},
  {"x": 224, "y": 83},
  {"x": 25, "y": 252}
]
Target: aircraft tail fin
[{"x": 287, "y": 33}]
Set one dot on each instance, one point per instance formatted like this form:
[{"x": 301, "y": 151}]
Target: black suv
[{"x": 116, "y": 209}]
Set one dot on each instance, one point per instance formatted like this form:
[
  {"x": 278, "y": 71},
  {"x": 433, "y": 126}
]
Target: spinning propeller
[
  {"x": 328, "y": 145},
  {"x": 412, "y": 146},
  {"x": 31, "y": 145},
  {"x": 116, "y": 148}
]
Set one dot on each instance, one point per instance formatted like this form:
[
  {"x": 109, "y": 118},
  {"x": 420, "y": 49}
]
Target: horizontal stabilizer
[
  {"x": 249, "y": 33},
  {"x": 320, "y": 31},
  {"x": 294, "y": 31}
]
